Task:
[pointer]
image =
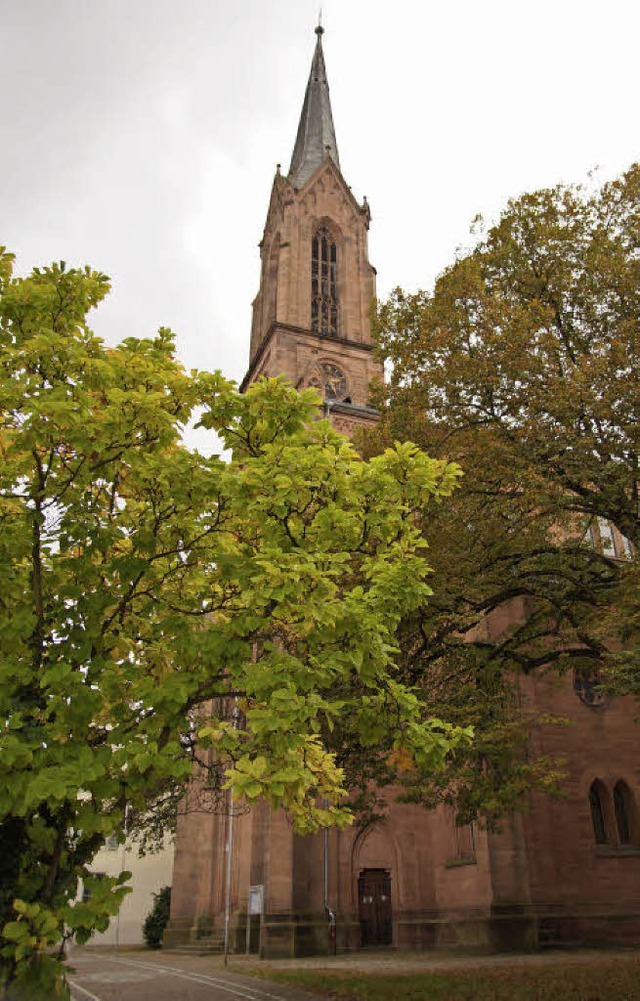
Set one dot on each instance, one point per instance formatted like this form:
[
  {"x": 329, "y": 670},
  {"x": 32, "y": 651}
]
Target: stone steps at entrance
[{"x": 205, "y": 946}]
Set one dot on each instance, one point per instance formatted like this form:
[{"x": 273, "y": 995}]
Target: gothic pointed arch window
[
  {"x": 324, "y": 282},
  {"x": 625, "y": 810},
  {"x": 597, "y": 804}
]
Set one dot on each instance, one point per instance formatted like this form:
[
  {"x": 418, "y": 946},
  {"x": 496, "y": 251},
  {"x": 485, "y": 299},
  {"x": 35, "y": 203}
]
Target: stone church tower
[
  {"x": 311, "y": 313},
  {"x": 565, "y": 871}
]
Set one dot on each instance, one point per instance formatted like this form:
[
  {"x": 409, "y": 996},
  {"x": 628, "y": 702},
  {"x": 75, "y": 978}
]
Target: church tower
[
  {"x": 310, "y": 324},
  {"x": 564, "y": 871},
  {"x": 311, "y": 314}
]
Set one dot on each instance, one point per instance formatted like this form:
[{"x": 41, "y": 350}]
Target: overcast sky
[{"x": 142, "y": 136}]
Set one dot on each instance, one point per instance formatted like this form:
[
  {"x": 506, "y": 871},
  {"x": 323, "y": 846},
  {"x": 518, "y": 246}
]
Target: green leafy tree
[
  {"x": 523, "y": 366},
  {"x": 165, "y": 615}
]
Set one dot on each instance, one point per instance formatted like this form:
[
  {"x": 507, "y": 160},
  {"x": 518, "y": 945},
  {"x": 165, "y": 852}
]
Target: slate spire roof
[{"x": 316, "y": 136}]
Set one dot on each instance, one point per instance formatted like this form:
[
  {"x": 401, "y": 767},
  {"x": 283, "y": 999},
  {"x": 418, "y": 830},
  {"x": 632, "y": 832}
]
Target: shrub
[{"x": 156, "y": 920}]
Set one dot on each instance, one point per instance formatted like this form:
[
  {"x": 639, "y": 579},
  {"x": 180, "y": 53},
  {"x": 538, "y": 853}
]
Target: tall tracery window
[{"x": 324, "y": 287}]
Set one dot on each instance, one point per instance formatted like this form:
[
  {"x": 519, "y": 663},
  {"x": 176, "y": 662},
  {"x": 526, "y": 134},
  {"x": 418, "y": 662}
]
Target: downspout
[{"x": 331, "y": 918}]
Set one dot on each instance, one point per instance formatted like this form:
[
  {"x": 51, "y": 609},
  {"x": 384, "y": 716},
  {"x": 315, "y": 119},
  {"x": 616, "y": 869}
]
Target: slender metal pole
[
  {"x": 229, "y": 850},
  {"x": 124, "y": 858},
  {"x": 227, "y": 902}
]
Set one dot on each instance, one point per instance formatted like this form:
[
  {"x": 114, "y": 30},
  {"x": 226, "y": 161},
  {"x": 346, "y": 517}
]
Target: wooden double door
[{"x": 374, "y": 902}]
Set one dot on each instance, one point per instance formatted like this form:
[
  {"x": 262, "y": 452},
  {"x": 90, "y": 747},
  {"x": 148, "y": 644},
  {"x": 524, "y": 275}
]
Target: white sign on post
[
  {"x": 255, "y": 906},
  {"x": 255, "y": 899}
]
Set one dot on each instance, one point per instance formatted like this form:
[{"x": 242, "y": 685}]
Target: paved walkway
[{"x": 102, "y": 975}]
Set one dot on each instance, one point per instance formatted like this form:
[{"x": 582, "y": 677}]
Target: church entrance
[{"x": 374, "y": 901}]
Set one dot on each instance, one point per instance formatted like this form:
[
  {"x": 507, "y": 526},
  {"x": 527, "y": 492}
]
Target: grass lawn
[{"x": 564, "y": 980}]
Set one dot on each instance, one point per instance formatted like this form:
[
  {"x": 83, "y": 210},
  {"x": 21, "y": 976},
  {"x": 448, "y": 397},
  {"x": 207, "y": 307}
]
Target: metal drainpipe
[
  {"x": 331, "y": 918},
  {"x": 325, "y": 868}
]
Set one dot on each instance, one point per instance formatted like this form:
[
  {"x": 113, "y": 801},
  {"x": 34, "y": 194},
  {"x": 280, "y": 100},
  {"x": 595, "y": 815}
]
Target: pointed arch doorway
[{"x": 374, "y": 905}]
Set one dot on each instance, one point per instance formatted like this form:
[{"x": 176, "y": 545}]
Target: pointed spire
[{"x": 316, "y": 136}]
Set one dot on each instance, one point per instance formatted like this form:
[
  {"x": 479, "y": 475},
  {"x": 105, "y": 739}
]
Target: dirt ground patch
[{"x": 394, "y": 961}]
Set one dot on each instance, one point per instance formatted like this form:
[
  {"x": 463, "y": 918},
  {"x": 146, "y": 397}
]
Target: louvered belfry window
[{"x": 324, "y": 292}]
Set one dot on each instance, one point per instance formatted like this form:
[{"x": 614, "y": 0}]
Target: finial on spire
[{"x": 319, "y": 30}]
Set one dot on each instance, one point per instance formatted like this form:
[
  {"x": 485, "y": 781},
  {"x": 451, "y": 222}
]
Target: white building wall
[{"x": 149, "y": 874}]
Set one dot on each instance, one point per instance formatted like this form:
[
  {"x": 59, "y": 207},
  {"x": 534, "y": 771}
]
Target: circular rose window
[{"x": 587, "y": 686}]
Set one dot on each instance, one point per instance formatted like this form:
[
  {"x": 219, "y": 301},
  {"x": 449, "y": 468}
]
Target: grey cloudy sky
[{"x": 141, "y": 136}]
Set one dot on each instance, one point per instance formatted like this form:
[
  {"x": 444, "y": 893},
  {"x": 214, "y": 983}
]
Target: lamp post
[{"x": 229, "y": 851}]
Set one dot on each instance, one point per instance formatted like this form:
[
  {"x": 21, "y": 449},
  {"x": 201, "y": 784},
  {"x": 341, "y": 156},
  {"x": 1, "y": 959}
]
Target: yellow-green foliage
[{"x": 156, "y": 604}]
